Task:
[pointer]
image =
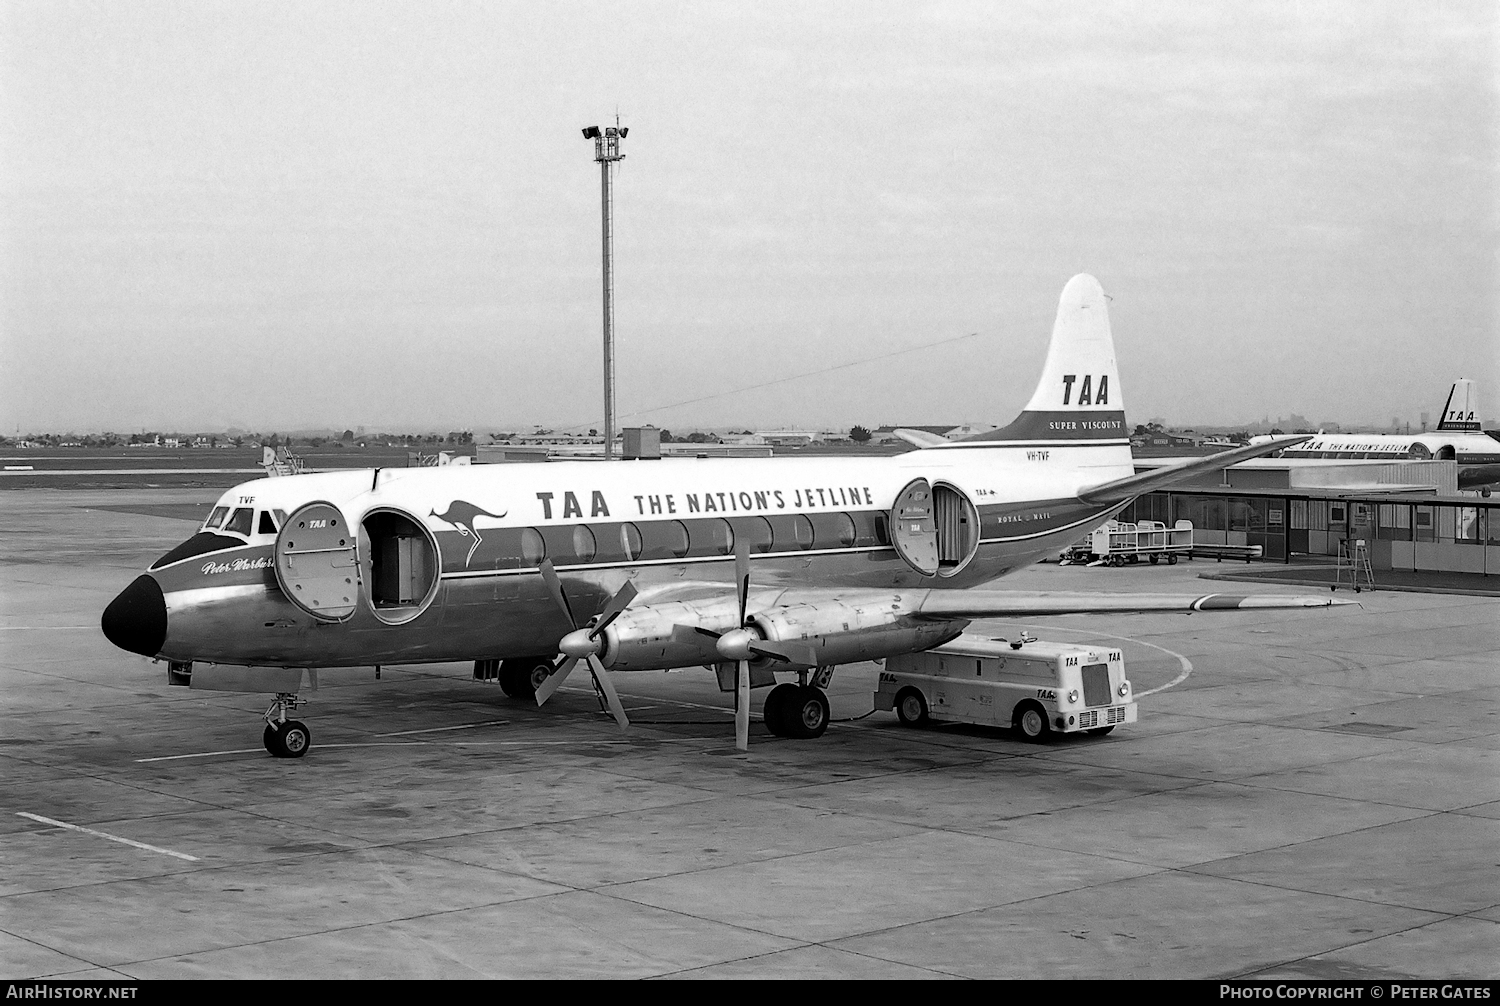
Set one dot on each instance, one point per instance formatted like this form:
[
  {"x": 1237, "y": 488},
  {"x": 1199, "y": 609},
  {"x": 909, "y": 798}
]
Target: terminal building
[{"x": 1410, "y": 514}]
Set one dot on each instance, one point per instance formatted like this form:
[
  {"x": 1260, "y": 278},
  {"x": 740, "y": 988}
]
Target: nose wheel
[{"x": 284, "y": 737}]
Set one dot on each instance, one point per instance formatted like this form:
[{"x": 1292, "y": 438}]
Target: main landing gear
[
  {"x": 519, "y": 677},
  {"x": 801, "y": 710},
  {"x": 286, "y": 738}
]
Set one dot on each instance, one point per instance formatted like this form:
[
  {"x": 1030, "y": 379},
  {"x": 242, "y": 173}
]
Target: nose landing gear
[{"x": 286, "y": 738}]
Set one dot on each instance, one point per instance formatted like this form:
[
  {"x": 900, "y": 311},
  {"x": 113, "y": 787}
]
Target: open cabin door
[
  {"x": 316, "y": 562},
  {"x": 914, "y": 529}
]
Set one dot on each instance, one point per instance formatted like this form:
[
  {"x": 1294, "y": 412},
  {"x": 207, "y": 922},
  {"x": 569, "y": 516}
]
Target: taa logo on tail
[{"x": 1090, "y": 392}]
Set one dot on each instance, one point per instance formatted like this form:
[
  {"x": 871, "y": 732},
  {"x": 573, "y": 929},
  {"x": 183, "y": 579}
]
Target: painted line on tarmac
[
  {"x": 436, "y": 730},
  {"x": 412, "y": 744},
  {"x": 106, "y": 835}
]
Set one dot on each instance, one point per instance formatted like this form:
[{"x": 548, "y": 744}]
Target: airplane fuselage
[{"x": 442, "y": 564}]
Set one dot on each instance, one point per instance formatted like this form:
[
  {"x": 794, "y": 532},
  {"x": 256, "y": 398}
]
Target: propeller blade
[
  {"x": 710, "y": 633},
  {"x": 742, "y": 574},
  {"x": 555, "y": 680},
  {"x": 554, "y": 587},
  {"x": 601, "y": 678},
  {"x": 742, "y": 708},
  {"x": 616, "y": 605}
]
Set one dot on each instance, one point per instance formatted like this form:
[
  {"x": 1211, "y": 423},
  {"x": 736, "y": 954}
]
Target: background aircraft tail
[
  {"x": 1461, "y": 410},
  {"x": 1078, "y": 397}
]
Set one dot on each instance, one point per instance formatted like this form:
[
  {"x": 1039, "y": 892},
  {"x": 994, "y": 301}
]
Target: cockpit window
[
  {"x": 216, "y": 518},
  {"x": 267, "y": 525},
  {"x": 239, "y": 521},
  {"x": 280, "y": 518}
]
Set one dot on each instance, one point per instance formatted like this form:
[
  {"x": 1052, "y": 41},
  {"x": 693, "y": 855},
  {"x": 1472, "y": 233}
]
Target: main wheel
[
  {"x": 520, "y": 679},
  {"x": 774, "y": 710},
  {"x": 911, "y": 707},
  {"x": 806, "y": 714},
  {"x": 288, "y": 740},
  {"x": 1031, "y": 720}
]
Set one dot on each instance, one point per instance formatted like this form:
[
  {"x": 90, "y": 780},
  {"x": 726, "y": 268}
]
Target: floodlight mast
[{"x": 606, "y": 153}]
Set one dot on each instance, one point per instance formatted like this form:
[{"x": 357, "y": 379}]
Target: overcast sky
[{"x": 383, "y": 214}]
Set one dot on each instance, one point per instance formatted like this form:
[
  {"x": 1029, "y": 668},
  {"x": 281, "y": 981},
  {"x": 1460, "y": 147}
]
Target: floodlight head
[
  {"x": 591, "y": 133},
  {"x": 623, "y": 131}
]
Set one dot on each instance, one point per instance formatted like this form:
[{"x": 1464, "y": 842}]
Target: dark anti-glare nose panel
[{"x": 137, "y": 619}]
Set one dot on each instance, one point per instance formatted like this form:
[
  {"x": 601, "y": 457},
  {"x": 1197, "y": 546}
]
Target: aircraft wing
[
  {"x": 940, "y": 604},
  {"x": 1136, "y": 485}
]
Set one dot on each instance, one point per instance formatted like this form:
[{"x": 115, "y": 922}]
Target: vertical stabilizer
[
  {"x": 1461, "y": 411},
  {"x": 1078, "y": 397}
]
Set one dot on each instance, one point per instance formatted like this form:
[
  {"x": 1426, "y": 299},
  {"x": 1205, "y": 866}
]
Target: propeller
[
  {"x": 584, "y": 643},
  {"x": 743, "y": 645}
]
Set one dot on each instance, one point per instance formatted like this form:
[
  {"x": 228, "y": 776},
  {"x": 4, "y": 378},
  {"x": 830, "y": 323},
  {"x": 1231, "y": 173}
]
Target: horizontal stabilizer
[
  {"x": 1005, "y": 603},
  {"x": 1136, "y": 485},
  {"x": 920, "y": 438}
]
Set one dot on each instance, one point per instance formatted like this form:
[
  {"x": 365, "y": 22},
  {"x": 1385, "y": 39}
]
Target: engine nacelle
[
  {"x": 842, "y": 633},
  {"x": 658, "y": 636}
]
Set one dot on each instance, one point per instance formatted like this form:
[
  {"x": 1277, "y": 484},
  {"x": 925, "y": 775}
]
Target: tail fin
[
  {"x": 1461, "y": 411},
  {"x": 1078, "y": 397}
]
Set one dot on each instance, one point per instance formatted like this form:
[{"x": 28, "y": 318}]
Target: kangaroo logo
[{"x": 461, "y": 514}]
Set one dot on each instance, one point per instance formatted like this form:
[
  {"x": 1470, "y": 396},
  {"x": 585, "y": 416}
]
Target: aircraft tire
[
  {"x": 290, "y": 741},
  {"x": 774, "y": 710},
  {"x": 1031, "y": 722},
  {"x": 911, "y": 707},
  {"x": 519, "y": 679},
  {"x": 807, "y": 713}
]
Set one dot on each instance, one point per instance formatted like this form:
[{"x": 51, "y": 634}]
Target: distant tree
[
  {"x": 666, "y": 436},
  {"x": 593, "y": 433},
  {"x": 1277, "y": 433},
  {"x": 702, "y": 438},
  {"x": 1140, "y": 431},
  {"x": 348, "y": 437},
  {"x": 859, "y": 434},
  {"x": 1303, "y": 429}
]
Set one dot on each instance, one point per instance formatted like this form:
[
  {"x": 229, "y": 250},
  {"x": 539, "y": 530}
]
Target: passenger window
[
  {"x": 584, "y": 545},
  {"x": 216, "y": 518},
  {"x": 754, "y": 531},
  {"x": 630, "y": 541},
  {"x": 833, "y": 530},
  {"x": 533, "y": 550},
  {"x": 711, "y": 536},
  {"x": 267, "y": 525},
  {"x": 869, "y": 529},
  {"x": 239, "y": 521},
  {"x": 663, "y": 539},
  {"x": 791, "y": 532}
]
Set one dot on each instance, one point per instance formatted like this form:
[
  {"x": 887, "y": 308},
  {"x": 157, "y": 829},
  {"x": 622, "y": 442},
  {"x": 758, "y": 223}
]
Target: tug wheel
[
  {"x": 911, "y": 707},
  {"x": 287, "y": 740},
  {"x": 806, "y": 713},
  {"x": 1031, "y": 721}
]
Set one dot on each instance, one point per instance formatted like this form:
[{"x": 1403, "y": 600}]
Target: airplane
[
  {"x": 1458, "y": 437},
  {"x": 752, "y": 567}
]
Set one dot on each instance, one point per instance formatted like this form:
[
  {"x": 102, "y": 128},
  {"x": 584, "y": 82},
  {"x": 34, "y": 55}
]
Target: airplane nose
[{"x": 137, "y": 619}]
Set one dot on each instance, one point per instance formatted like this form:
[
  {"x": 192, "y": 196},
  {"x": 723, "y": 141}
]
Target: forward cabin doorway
[
  {"x": 935, "y": 529},
  {"x": 403, "y": 563}
]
